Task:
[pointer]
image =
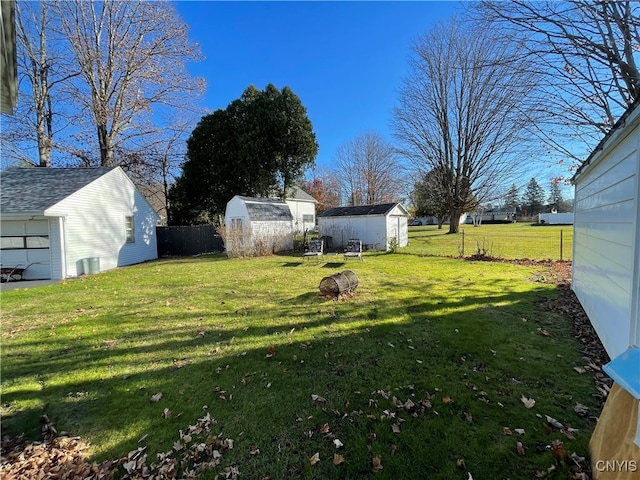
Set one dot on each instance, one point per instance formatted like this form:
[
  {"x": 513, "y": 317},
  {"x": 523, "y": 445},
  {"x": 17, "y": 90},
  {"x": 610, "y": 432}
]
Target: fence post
[{"x": 561, "y": 242}]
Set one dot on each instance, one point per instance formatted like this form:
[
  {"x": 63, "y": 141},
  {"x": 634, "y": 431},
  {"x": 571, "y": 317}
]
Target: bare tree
[
  {"x": 461, "y": 111},
  {"x": 587, "y": 51},
  {"x": 43, "y": 69},
  {"x": 369, "y": 170},
  {"x": 132, "y": 56}
]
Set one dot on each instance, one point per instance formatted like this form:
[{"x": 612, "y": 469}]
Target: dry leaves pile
[{"x": 64, "y": 458}]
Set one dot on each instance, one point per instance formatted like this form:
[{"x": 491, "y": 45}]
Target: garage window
[
  {"x": 24, "y": 242},
  {"x": 128, "y": 229}
]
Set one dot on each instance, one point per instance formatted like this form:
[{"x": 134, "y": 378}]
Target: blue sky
[{"x": 345, "y": 60}]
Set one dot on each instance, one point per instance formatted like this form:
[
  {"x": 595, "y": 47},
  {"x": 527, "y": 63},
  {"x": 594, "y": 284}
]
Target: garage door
[{"x": 26, "y": 242}]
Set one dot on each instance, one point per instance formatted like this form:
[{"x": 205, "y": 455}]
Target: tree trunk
[
  {"x": 454, "y": 221},
  {"x": 106, "y": 152},
  {"x": 44, "y": 146}
]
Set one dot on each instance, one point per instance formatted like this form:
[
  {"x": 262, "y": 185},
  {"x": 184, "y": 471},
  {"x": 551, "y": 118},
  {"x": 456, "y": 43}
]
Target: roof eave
[{"x": 628, "y": 119}]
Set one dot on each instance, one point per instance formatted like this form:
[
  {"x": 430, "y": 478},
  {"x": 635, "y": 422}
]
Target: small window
[
  {"x": 129, "y": 230},
  {"x": 308, "y": 219}
]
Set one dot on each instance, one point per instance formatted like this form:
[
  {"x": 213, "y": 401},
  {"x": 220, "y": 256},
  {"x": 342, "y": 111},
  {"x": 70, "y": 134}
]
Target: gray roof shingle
[
  {"x": 265, "y": 209},
  {"x": 33, "y": 190},
  {"x": 380, "y": 209}
]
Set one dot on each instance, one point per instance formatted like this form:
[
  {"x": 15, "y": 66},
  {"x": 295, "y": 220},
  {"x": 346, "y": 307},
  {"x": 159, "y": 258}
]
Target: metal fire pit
[{"x": 338, "y": 284}]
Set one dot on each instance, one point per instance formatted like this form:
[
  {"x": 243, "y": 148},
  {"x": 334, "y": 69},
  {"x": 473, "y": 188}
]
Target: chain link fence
[{"x": 535, "y": 243}]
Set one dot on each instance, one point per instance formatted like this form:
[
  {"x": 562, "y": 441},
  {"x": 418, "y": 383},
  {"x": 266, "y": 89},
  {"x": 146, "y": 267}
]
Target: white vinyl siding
[
  {"x": 605, "y": 258},
  {"x": 93, "y": 224},
  {"x": 304, "y": 214},
  {"x": 375, "y": 231}
]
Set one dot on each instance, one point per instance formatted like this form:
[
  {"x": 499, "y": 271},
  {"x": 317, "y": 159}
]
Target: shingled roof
[
  {"x": 265, "y": 209},
  {"x": 31, "y": 191},
  {"x": 381, "y": 209}
]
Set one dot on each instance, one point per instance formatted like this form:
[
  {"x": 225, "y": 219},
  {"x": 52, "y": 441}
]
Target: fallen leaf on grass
[
  {"x": 166, "y": 413},
  {"x": 337, "y": 459},
  {"x": 254, "y": 450},
  {"x": 520, "y": 448},
  {"x": 376, "y": 464},
  {"x": 157, "y": 397},
  {"x": 507, "y": 431},
  {"x": 558, "y": 450},
  {"x": 553, "y": 422},
  {"x": 447, "y": 399},
  {"x": 325, "y": 428},
  {"x": 395, "y": 428},
  {"x": 581, "y": 409},
  {"x": 338, "y": 443},
  {"x": 315, "y": 459},
  {"x": 519, "y": 431},
  {"x": 318, "y": 398},
  {"x": 580, "y": 370},
  {"x": 460, "y": 464},
  {"x": 528, "y": 402}
]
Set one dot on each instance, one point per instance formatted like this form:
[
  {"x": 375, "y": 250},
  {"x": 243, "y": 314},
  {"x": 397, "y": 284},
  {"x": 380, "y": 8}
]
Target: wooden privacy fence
[{"x": 187, "y": 241}]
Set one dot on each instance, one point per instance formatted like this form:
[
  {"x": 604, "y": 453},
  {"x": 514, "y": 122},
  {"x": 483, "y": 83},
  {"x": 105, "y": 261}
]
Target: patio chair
[
  {"x": 315, "y": 249},
  {"x": 354, "y": 249}
]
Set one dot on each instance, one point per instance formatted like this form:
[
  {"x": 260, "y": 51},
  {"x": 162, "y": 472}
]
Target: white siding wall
[
  {"x": 370, "y": 229},
  {"x": 565, "y": 218},
  {"x": 605, "y": 257},
  {"x": 94, "y": 224},
  {"x": 56, "y": 227},
  {"x": 299, "y": 209},
  {"x": 276, "y": 235},
  {"x": 236, "y": 208}
]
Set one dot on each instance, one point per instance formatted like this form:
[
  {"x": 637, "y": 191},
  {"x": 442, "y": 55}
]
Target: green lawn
[
  {"x": 425, "y": 365},
  {"x": 521, "y": 240}
]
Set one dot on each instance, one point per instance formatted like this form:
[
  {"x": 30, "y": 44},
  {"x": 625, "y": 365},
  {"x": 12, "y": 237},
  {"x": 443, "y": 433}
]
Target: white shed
[
  {"x": 257, "y": 226},
  {"x": 376, "y": 225},
  {"x": 606, "y": 278},
  {"x": 55, "y": 219}
]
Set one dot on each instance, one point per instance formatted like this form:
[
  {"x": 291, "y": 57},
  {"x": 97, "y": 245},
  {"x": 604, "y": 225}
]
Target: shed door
[{"x": 25, "y": 242}]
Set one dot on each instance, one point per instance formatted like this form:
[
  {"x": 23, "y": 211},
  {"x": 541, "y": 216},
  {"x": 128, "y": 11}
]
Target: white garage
[{"x": 65, "y": 222}]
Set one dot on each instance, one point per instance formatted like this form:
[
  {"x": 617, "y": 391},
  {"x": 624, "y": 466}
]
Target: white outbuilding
[
  {"x": 257, "y": 226},
  {"x": 63, "y": 222},
  {"x": 606, "y": 279},
  {"x": 378, "y": 226},
  {"x": 303, "y": 209}
]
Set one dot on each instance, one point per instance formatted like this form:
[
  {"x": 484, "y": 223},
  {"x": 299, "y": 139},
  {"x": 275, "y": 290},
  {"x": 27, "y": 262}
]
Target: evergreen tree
[
  {"x": 533, "y": 198},
  {"x": 556, "y": 199},
  {"x": 512, "y": 198}
]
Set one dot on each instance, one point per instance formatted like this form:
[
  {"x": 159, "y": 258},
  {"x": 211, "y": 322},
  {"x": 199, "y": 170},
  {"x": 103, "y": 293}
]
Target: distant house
[
  {"x": 606, "y": 279},
  {"x": 57, "y": 218},
  {"x": 303, "y": 209},
  {"x": 257, "y": 225},
  {"x": 376, "y": 225}
]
